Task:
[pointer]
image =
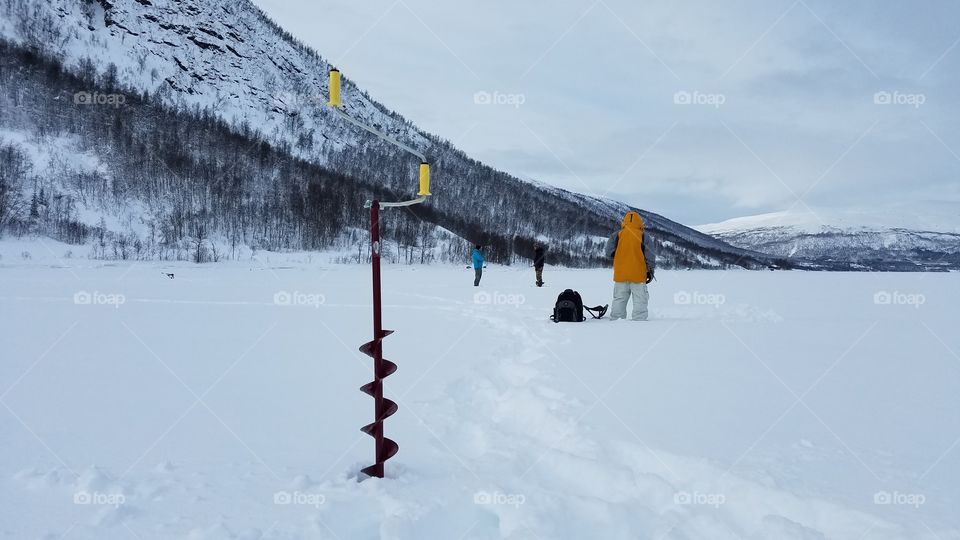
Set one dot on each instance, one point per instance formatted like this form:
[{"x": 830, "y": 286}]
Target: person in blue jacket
[{"x": 478, "y": 261}]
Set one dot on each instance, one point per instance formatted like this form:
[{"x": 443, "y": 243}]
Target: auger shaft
[{"x": 382, "y": 408}]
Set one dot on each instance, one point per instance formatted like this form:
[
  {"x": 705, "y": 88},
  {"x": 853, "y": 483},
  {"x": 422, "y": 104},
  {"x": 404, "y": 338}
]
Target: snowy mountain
[
  {"x": 901, "y": 237},
  {"x": 191, "y": 88}
]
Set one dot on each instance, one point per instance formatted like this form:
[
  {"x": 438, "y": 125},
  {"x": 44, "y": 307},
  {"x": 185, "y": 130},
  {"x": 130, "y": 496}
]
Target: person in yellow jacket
[{"x": 634, "y": 263}]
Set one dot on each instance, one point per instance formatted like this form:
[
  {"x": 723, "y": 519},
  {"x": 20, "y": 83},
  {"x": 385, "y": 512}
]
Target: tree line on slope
[
  {"x": 190, "y": 177},
  {"x": 195, "y": 180}
]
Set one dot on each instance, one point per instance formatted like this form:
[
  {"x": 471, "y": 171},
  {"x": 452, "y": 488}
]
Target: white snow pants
[{"x": 621, "y": 293}]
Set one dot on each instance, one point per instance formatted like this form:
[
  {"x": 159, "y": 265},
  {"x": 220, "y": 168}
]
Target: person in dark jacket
[
  {"x": 478, "y": 261},
  {"x": 539, "y": 257}
]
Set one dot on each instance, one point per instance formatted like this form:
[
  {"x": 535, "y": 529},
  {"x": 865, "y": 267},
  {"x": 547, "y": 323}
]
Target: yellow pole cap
[
  {"x": 424, "y": 179},
  {"x": 335, "y": 89}
]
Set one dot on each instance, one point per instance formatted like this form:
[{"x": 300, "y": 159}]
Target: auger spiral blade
[
  {"x": 390, "y": 449},
  {"x": 383, "y": 407}
]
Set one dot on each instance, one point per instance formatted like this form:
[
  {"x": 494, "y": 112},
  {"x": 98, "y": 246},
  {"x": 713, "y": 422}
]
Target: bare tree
[
  {"x": 198, "y": 240},
  {"x": 14, "y": 168}
]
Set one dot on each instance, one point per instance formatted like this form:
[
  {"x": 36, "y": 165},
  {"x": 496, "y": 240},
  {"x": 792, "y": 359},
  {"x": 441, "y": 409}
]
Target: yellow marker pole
[
  {"x": 424, "y": 179},
  {"x": 335, "y": 89}
]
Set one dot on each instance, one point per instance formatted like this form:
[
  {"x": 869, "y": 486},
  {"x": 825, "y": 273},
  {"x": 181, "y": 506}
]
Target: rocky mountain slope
[{"x": 225, "y": 61}]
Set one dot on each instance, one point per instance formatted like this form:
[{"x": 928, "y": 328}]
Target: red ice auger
[{"x": 383, "y": 408}]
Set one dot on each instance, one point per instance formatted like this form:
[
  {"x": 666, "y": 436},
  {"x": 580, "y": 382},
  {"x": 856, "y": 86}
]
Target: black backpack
[{"x": 569, "y": 308}]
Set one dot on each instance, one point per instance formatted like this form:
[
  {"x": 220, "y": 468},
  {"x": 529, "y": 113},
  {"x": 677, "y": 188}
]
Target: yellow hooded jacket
[{"x": 629, "y": 264}]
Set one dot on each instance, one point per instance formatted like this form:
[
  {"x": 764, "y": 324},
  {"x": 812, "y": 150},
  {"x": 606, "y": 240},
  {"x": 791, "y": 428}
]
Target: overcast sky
[{"x": 699, "y": 110}]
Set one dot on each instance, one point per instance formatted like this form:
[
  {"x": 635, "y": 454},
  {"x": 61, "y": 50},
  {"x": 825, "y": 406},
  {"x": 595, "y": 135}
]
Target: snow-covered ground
[{"x": 224, "y": 403}]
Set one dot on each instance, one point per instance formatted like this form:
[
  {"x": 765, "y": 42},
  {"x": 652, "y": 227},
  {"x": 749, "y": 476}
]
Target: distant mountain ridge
[{"x": 921, "y": 236}]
